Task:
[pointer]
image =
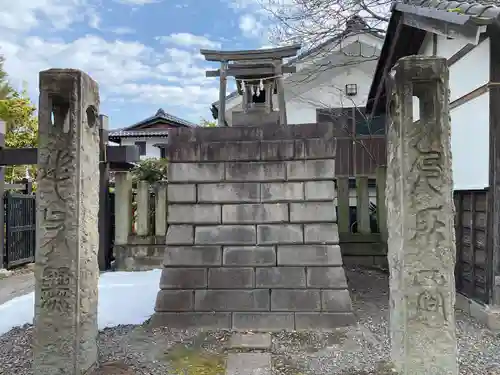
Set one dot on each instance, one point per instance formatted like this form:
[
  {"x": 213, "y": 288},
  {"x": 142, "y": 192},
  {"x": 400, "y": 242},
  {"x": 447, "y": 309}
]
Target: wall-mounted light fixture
[{"x": 351, "y": 89}]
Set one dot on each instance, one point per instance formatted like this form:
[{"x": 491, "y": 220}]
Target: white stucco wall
[
  {"x": 306, "y": 92},
  {"x": 151, "y": 151},
  {"x": 469, "y": 121}
]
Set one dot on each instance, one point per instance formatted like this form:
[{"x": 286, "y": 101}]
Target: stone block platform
[{"x": 252, "y": 240}]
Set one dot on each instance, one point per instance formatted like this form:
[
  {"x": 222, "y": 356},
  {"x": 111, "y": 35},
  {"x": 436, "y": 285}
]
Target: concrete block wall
[{"x": 252, "y": 239}]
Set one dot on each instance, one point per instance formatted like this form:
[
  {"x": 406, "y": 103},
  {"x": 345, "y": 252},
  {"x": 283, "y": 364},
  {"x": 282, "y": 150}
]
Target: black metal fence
[{"x": 20, "y": 229}]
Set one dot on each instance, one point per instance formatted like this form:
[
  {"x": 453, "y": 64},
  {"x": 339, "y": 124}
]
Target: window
[
  {"x": 142, "y": 147},
  {"x": 163, "y": 152}
]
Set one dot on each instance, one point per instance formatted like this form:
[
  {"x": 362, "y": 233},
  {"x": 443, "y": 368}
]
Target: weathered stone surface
[
  {"x": 279, "y": 234},
  {"x": 181, "y": 193},
  {"x": 232, "y": 300},
  {"x": 264, "y": 321},
  {"x": 195, "y": 172},
  {"x": 336, "y": 301},
  {"x": 194, "y": 214},
  {"x": 249, "y": 256},
  {"x": 189, "y": 256},
  {"x": 174, "y": 300},
  {"x": 66, "y": 269},
  {"x": 250, "y": 341},
  {"x": 183, "y": 278},
  {"x": 255, "y": 171},
  {"x": 320, "y": 190},
  {"x": 295, "y": 300},
  {"x": 282, "y": 191},
  {"x": 312, "y": 212},
  {"x": 229, "y": 192},
  {"x": 309, "y": 255},
  {"x": 280, "y": 277},
  {"x": 179, "y": 320},
  {"x": 321, "y": 233},
  {"x": 277, "y": 150},
  {"x": 310, "y": 170},
  {"x": 420, "y": 220},
  {"x": 180, "y": 235},
  {"x": 254, "y": 213},
  {"x": 305, "y": 321},
  {"x": 225, "y": 235},
  {"x": 231, "y": 278},
  {"x": 326, "y": 277},
  {"x": 316, "y": 148}
]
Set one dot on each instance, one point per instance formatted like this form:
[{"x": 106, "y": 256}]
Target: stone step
[
  {"x": 250, "y": 341},
  {"x": 248, "y": 364}
]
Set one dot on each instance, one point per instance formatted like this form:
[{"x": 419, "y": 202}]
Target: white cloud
[
  {"x": 250, "y": 26},
  {"x": 189, "y": 40},
  {"x": 122, "y": 30},
  {"x": 137, "y": 2}
]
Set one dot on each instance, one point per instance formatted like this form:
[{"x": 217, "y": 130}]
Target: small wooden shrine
[{"x": 259, "y": 75}]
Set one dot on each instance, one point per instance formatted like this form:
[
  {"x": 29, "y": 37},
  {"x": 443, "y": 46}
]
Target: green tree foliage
[
  {"x": 151, "y": 170},
  {"x": 18, "y": 112},
  {"x": 208, "y": 124}
]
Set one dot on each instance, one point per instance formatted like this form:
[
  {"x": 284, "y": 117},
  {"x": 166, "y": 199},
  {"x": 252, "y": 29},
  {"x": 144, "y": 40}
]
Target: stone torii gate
[{"x": 260, "y": 69}]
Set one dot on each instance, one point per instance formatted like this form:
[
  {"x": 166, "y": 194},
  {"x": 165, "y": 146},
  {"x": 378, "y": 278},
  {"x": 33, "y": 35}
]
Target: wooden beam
[
  {"x": 271, "y": 53},
  {"x": 222, "y": 94},
  {"x": 29, "y": 156},
  {"x": 249, "y": 71}
]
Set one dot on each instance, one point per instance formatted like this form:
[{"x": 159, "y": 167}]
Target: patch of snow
[{"x": 124, "y": 298}]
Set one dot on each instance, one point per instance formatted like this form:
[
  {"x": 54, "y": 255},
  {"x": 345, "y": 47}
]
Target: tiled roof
[
  {"x": 131, "y": 131},
  {"x": 484, "y": 9}
]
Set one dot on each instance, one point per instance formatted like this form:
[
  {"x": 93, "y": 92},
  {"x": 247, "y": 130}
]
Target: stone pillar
[
  {"x": 66, "y": 268},
  {"x": 142, "y": 208},
  {"x": 123, "y": 206},
  {"x": 161, "y": 209},
  {"x": 420, "y": 214}
]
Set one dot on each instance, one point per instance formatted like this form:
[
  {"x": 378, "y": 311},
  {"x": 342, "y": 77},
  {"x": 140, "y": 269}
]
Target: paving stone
[
  {"x": 250, "y": 341},
  {"x": 248, "y": 364}
]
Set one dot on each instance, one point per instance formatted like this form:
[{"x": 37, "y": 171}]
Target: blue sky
[{"x": 143, "y": 53}]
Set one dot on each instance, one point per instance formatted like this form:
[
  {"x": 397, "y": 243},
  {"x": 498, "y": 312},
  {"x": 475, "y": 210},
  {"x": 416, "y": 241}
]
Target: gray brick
[
  {"x": 280, "y": 277},
  {"x": 326, "y": 277},
  {"x": 194, "y": 214},
  {"x": 183, "y": 278},
  {"x": 316, "y": 148},
  {"x": 265, "y": 321},
  {"x": 279, "y": 234},
  {"x": 193, "y": 256},
  {"x": 230, "y": 151},
  {"x": 312, "y": 212},
  {"x": 229, "y": 192},
  {"x": 174, "y": 300},
  {"x": 255, "y": 171},
  {"x": 232, "y": 300},
  {"x": 195, "y": 172},
  {"x": 320, "y": 190},
  {"x": 327, "y": 233},
  {"x": 230, "y": 278},
  {"x": 311, "y": 169},
  {"x": 323, "y": 321},
  {"x": 277, "y": 150},
  {"x": 336, "y": 301},
  {"x": 309, "y": 255},
  {"x": 255, "y": 213},
  {"x": 295, "y": 300},
  {"x": 282, "y": 191},
  {"x": 184, "y": 320},
  {"x": 181, "y": 193},
  {"x": 249, "y": 256},
  {"x": 180, "y": 235},
  {"x": 225, "y": 235}
]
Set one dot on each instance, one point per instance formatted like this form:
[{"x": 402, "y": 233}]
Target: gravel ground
[{"x": 363, "y": 350}]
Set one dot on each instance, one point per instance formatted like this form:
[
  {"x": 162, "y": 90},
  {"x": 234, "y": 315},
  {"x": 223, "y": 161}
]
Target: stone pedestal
[
  {"x": 420, "y": 220},
  {"x": 66, "y": 269},
  {"x": 252, "y": 240}
]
